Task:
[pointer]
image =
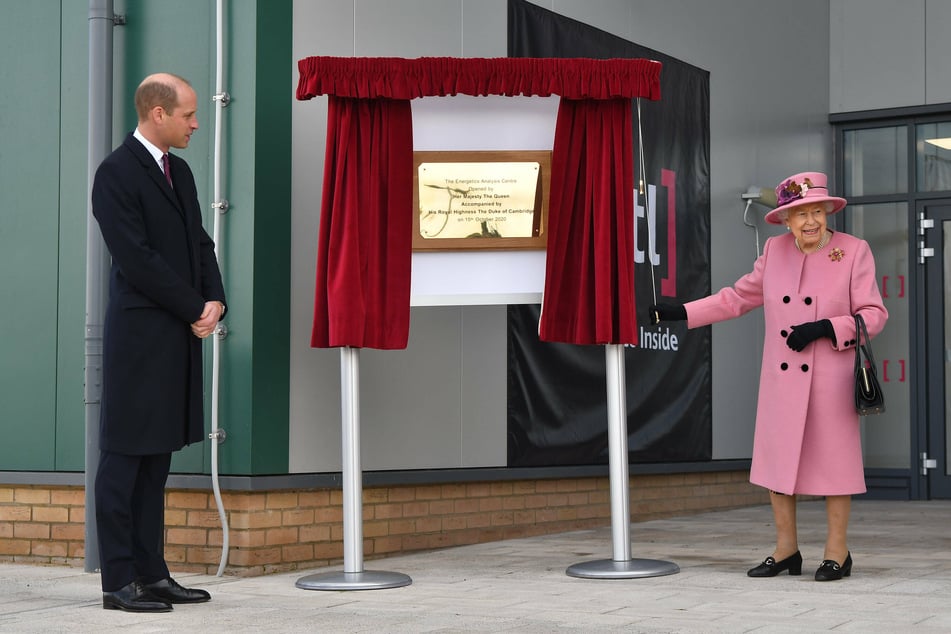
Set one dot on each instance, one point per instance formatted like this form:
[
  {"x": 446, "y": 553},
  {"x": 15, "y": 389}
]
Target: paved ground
[{"x": 901, "y": 583}]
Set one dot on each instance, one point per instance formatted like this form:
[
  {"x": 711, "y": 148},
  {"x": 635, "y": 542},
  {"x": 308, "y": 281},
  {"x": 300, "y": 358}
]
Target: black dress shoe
[
  {"x": 173, "y": 592},
  {"x": 134, "y": 598},
  {"x": 831, "y": 570},
  {"x": 770, "y": 567}
]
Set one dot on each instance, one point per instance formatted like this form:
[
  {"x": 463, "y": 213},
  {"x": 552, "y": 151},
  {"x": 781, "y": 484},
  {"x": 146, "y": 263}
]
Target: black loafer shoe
[
  {"x": 770, "y": 567},
  {"x": 173, "y": 592},
  {"x": 831, "y": 570},
  {"x": 134, "y": 598}
]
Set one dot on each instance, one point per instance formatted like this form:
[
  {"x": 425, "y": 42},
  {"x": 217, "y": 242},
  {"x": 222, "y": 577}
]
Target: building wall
[
  {"x": 300, "y": 529},
  {"x": 760, "y": 133},
  {"x": 441, "y": 402},
  {"x": 775, "y": 77}
]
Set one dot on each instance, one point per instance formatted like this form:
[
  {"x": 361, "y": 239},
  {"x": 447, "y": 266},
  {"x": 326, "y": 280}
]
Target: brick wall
[{"x": 276, "y": 531}]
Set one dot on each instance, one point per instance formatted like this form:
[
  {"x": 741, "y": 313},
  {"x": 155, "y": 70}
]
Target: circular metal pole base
[
  {"x": 630, "y": 569},
  {"x": 366, "y": 580}
]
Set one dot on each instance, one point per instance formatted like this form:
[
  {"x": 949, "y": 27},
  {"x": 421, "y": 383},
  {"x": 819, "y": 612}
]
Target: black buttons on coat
[
  {"x": 785, "y": 366},
  {"x": 785, "y": 333}
]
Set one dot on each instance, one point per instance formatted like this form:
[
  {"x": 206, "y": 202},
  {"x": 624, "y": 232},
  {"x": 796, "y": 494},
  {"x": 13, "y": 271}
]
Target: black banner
[{"x": 556, "y": 392}]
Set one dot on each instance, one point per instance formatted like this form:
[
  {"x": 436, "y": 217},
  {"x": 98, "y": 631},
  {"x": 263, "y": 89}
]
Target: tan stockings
[{"x": 838, "y": 508}]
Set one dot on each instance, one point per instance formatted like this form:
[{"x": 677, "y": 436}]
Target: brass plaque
[{"x": 480, "y": 200}]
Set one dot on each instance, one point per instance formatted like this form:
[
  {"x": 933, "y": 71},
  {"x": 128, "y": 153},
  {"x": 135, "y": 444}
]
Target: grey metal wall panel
[
  {"x": 877, "y": 55},
  {"x": 937, "y": 51}
]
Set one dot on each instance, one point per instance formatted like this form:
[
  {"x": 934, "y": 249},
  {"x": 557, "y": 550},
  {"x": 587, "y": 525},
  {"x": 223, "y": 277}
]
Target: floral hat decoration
[{"x": 803, "y": 189}]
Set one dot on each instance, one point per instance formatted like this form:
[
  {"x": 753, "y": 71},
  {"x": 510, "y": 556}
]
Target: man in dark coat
[{"x": 165, "y": 296}]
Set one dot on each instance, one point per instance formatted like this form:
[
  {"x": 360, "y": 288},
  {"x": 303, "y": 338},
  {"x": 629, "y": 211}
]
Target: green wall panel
[
  {"x": 272, "y": 235},
  {"x": 255, "y": 247},
  {"x": 73, "y": 207},
  {"x": 175, "y": 36},
  {"x": 29, "y": 218},
  {"x": 256, "y": 239}
]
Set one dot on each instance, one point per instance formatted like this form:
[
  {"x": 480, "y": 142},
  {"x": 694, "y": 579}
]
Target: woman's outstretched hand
[{"x": 666, "y": 312}]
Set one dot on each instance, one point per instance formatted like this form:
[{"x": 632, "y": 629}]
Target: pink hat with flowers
[{"x": 803, "y": 189}]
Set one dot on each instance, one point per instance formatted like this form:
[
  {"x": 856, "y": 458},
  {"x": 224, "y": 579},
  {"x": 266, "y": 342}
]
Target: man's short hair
[{"x": 157, "y": 91}]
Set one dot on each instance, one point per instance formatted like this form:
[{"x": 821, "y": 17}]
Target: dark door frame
[{"x": 936, "y": 484}]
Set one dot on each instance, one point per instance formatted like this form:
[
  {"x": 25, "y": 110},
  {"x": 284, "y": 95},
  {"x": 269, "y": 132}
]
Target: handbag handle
[{"x": 862, "y": 349}]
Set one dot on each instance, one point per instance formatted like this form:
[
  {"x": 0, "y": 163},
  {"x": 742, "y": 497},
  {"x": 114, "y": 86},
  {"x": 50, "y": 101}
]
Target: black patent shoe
[
  {"x": 770, "y": 567},
  {"x": 134, "y": 598},
  {"x": 831, "y": 570},
  {"x": 173, "y": 592}
]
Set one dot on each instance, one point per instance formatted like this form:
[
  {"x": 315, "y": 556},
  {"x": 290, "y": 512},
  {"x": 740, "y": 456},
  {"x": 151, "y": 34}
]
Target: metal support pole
[
  {"x": 101, "y": 23},
  {"x": 352, "y": 467},
  {"x": 353, "y": 577},
  {"x": 618, "y": 453},
  {"x": 621, "y": 566}
]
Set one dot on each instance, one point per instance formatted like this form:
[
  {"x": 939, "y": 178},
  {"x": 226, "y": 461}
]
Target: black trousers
[{"x": 130, "y": 518}]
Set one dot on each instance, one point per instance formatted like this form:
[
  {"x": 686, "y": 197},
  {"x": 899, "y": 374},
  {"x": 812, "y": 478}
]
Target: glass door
[
  {"x": 935, "y": 224},
  {"x": 886, "y": 438},
  {"x": 875, "y": 178}
]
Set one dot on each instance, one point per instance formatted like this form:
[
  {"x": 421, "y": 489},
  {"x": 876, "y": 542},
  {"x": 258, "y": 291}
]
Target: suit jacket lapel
[{"x": 154, "y": 171}]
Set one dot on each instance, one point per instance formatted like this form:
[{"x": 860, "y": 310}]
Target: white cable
[
  {"x": 216, "y": 340},
  {"x": 749, "y": 202}
]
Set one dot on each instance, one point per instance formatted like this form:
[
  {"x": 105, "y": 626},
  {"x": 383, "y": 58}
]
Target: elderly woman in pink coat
[{"x": 810, "y": 282}]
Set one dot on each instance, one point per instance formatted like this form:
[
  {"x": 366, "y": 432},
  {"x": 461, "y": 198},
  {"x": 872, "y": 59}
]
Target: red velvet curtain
[
  {"x": 364, "y": 246},
  {"x": 365, "y": 243},
  {"x": 589, "y": 274}
]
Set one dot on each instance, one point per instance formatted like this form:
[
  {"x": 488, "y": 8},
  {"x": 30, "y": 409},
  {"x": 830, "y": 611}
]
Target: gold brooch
[{"x": 836, "y": 254}]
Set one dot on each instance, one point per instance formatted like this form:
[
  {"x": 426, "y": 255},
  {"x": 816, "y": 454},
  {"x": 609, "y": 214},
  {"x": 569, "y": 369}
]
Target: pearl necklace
[{"x": 822, "y": 242}]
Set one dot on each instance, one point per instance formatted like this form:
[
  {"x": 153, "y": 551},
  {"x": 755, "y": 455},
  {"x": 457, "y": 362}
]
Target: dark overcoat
[{"x": 163, "y": 271}]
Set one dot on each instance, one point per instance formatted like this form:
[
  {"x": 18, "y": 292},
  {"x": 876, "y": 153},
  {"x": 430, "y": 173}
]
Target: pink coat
[{"x": 807, "y": 431}]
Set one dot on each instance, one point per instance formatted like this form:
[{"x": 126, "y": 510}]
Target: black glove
[
  {"x": 666, "y": 312},
  {"x": 804, "y": 334}
]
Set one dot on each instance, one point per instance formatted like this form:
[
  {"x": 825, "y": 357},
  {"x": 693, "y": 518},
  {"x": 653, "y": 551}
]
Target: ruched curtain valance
[
  {"x": 364, "y": 249},
  {"x": 398, "y": 78}
]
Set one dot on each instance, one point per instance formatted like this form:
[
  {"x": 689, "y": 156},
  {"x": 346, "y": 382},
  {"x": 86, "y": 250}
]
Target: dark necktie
[{"x": 167, "y": 168}]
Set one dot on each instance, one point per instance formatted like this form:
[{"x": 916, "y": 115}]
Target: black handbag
[{"x": 868, "y": 393}]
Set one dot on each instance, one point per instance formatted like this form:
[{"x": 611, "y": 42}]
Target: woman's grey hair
[{"x": 784, "y": 214}]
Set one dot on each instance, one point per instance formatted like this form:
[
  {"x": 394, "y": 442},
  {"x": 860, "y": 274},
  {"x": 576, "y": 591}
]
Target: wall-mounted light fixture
[{"x": 762, "y": 196}]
